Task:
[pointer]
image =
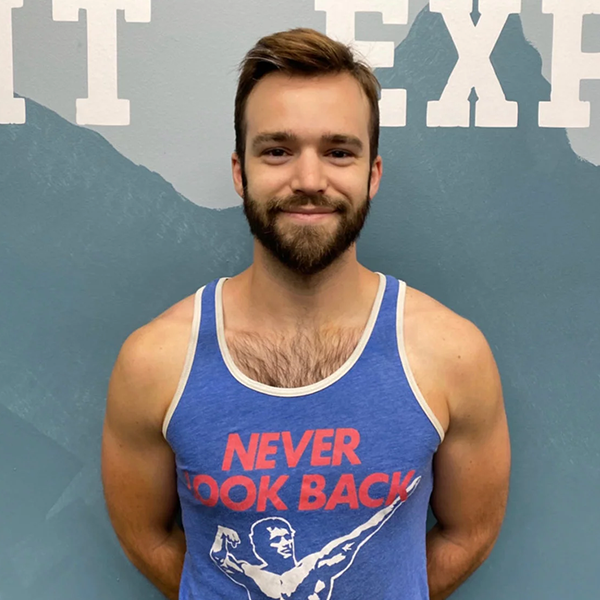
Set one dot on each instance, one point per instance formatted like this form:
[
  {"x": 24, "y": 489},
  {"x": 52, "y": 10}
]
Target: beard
[{"x": 305, "y": 249}]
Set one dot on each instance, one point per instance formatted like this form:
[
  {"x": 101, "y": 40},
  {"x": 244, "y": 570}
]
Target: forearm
[
  {"x": 164, "y": 565},
  {"x": 449, "y": 564}
]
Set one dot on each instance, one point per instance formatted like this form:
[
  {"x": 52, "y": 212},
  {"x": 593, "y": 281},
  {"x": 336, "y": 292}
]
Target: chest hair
[{"x": 304, "y": 358}]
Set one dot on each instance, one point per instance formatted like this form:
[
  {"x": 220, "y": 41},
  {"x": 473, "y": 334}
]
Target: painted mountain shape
[
  {"x": 92, "y": 246},
  {"x": 481, "y": 191}
]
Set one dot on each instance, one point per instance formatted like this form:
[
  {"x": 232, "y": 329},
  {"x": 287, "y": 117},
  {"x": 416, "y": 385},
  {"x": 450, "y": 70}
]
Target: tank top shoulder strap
[
  {"x": 199, "y": 328},
  {"x": 400, "y": 315},
  {"x": 208, "y": 323},
  {"x": 383, "y": 336}
]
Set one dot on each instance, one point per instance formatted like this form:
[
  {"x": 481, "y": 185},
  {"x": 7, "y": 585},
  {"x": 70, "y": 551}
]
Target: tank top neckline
[{"x": 306, "y": 389}]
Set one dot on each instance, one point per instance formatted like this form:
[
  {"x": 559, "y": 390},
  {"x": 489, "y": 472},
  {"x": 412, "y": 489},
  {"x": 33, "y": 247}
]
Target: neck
[{"x": 268, "y": 295}]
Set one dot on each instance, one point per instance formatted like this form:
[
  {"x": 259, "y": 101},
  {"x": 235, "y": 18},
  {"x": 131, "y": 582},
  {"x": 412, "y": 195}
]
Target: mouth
[
  {"x": 309, "y": 210},
  {"x": 309, "y": 213}
]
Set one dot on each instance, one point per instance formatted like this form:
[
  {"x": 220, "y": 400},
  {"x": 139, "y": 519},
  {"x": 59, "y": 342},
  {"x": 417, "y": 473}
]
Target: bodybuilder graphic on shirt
[{"x": 279, "y": 575}]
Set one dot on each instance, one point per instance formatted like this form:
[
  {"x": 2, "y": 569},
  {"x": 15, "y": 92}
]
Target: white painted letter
[
  {"x": 102, "y": 106},
  {"x": 341, "y": 25},
  {"x": 12, "y": 110},
  {"x": 569, "y": 65},
  {"x": 474, "y": 69}
]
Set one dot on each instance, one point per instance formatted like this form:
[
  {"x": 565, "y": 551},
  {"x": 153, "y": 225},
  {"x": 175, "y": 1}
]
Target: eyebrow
[
  {"x": 286, "y": 136},
  {"x": 343, "y": 140},
  {"x": 275, "y": 136}
]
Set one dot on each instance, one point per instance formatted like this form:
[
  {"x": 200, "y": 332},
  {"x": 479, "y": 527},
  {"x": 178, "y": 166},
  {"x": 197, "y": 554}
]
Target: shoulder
[
  {"x": 153, "y": 342},
  {"x": 455, "y": 359},
  {"x": 150, "y": 362},
  {"x": 451, "y": 338}
]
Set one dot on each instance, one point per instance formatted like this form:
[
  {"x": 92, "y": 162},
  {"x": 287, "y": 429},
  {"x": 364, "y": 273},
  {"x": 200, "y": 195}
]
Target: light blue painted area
[
  {"x": 538, "y": 28},
  {"x": 179, "y": 73},
  {"x": 501, "y": 225}
]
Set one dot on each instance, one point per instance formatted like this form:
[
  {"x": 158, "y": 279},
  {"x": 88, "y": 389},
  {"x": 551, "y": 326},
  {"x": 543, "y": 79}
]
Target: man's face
[
  {"x": 307, "y": 180},
  {"x": 282, "y": 541}
]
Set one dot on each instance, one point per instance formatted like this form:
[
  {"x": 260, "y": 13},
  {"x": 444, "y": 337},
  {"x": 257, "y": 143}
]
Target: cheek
[
  {"x": 351, "y": 184},
  {"x": 266, "y": 180}
]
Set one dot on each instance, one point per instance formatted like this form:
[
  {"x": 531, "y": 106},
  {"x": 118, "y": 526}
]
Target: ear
[
  {"x": 236, "y": 171},
  {"x": 376, "y": 174}
]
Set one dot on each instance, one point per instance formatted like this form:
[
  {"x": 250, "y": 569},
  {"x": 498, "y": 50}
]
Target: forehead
[{"x": 308, "y": 106}]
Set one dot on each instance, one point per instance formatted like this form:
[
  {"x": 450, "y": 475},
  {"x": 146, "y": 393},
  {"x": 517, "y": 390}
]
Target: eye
[
  {"x": 340, "y": 154},
  {"x": 275, "y": 152}
]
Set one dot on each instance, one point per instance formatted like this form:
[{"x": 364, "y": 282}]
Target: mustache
[{"x": 299, "y": 200}]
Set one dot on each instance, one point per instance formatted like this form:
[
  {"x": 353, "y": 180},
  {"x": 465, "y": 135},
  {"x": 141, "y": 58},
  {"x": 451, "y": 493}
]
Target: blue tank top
[{"x": 311, "y": 493}]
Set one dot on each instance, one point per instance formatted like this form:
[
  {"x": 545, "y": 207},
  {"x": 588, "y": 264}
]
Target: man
[
  {"x": 307, "y": 386},
  {"x": 280, "y": 575}
]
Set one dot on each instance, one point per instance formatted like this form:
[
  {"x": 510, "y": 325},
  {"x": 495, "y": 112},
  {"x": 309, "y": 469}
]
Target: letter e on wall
[{"x": 341, "y": 26}]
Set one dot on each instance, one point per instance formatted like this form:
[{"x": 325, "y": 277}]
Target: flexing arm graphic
[
  {"x": 279, "y": 575},
  {"x": 219, "y": 552}
]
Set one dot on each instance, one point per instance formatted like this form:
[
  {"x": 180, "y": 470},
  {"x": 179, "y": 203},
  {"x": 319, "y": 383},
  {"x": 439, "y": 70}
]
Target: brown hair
[{"x": 303, "y": 52}]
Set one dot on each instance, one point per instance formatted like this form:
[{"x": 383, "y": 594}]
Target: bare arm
[
  {"x": 471, "y": 467},
  {"x": 138, "y": 466}
]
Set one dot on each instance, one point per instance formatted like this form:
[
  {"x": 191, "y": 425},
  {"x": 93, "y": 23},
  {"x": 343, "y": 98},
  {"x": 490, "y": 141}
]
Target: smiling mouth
[
  {"x": 310, "y": 211},
  {"x": 308, "y": 217}
]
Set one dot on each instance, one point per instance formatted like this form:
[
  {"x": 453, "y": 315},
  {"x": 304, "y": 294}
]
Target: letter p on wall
[
  {"x": 569, "y": 64},
  {"x": 341, "y": 25},
  {"x": 102, "y": 106},
  {"x": 12, "y": 110}
]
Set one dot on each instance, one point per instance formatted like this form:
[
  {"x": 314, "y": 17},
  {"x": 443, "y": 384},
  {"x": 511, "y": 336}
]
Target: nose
[{"x": 309, "y": 174}]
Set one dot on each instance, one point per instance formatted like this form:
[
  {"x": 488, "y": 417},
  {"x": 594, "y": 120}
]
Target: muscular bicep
[
  {"x": 471, "y": 467},
  {"x": 138, "y": 466},
  {"x": 231, "y": 565}
]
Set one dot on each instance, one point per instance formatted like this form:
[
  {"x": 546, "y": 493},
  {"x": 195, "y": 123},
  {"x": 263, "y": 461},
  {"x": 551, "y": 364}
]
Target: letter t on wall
[
  {"x": 475, "y": 44},
  {"x": 341, "y": 25},
  {"x": 102, "y": 106},
  {"x": 12, "y": 110},
  {"x": 569, "y": 64}
]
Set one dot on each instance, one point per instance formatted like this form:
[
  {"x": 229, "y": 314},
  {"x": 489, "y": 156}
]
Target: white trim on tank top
[
  {"x": 189, "y": 360},
  {"x": 407, "y": 370},
  {"x": 300, "y": 391},
  {"x": 307, "y": 389}
]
